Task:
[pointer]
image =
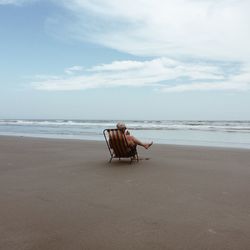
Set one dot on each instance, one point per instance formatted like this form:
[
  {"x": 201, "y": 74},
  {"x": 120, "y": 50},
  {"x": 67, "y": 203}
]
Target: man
[{"x": 132, "y": 141}]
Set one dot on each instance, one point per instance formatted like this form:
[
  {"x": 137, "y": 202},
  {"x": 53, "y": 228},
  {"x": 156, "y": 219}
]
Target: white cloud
[
  {"x": 217, "y": 30},
  {"x": 229, "y": 85},
  {"x": 237, "y": 82},
  {"x": 198, "y": 31},
  {"x": 73, "y": 70},
  {"x": 201, "y": 35},
  {"x": 166, "y": 74}
]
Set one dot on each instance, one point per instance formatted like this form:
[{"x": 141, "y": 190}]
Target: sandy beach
[{"x": 63, "y": 194}]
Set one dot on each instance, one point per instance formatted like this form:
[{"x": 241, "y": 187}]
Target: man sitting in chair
[{"x": 132, "y": 141}]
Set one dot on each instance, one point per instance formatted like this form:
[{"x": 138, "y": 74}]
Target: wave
[
  {"x": 55, "y": 123},
  {"x": 225, "y": 126}
]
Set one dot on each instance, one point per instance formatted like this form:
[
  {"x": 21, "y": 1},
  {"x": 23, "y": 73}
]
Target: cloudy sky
[{"x": 134, "y": 59}]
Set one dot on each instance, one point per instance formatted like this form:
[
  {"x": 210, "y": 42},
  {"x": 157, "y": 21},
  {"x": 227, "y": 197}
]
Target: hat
[{"x": 121, "y": 125}]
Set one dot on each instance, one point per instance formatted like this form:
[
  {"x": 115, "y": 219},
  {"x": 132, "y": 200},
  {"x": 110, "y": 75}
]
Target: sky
[{"x": 134, "y": 59}]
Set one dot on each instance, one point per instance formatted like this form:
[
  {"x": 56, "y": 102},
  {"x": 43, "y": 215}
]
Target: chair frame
[{"x": 111, "y": 151}]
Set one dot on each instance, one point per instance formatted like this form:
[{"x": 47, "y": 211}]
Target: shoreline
[{"x": 100, "y": 141}]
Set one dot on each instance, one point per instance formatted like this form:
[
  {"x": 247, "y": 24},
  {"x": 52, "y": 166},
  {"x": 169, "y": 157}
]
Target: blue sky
[{"x": 107, "y": 59}]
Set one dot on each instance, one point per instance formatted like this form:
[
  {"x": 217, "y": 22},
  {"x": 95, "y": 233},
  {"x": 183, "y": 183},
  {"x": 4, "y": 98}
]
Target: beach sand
[{"x": 63, "y": 194}]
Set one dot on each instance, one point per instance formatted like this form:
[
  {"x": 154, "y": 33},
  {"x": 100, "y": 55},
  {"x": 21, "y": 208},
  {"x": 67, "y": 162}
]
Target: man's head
[{"x": 121, "y": 126}]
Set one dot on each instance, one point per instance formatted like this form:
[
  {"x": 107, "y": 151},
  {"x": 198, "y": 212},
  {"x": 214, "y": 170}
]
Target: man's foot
[{"x": 148, "y": 145}]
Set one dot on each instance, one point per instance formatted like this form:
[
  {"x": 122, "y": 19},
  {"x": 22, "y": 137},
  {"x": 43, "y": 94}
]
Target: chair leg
[
  {"x": 111, "y": 158},
  {"x": 134, "y": 158}
]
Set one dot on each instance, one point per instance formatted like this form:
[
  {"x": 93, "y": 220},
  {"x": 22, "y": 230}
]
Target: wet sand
[{"x": 63, "y": 194}]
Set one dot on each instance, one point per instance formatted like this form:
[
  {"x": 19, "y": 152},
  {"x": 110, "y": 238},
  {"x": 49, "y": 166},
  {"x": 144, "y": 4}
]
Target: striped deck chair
[{"x": 118, "y": 145}]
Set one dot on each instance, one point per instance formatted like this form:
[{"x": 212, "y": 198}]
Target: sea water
[{"x": 203, "y": 133}]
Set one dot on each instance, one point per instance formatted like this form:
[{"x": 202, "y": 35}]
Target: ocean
[{"x": 235, "y": 134}]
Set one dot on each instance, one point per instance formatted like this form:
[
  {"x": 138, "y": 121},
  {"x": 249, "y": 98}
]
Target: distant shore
[{"x": 63, "y": 194}]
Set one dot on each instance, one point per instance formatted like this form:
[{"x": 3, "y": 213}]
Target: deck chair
[{"x": 118, "y": 145}]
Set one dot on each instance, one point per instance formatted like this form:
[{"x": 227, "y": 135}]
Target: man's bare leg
[{"x": 134, "y": 141}]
